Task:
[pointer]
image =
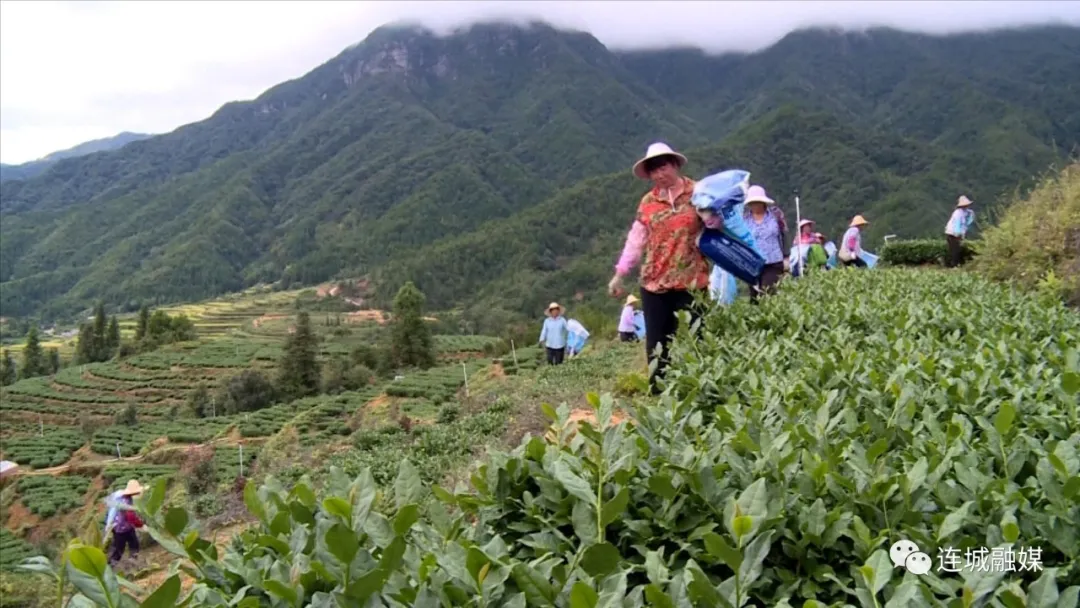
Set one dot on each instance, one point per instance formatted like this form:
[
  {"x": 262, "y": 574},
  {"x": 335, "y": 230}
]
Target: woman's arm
[
  {"x": 543, "y": 331},
  {"x": 631, "y": 253}
]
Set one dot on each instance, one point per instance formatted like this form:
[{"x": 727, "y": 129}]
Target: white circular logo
[
  {"x": 918, "y": 563},
  {"x": 900, "y": 551}
]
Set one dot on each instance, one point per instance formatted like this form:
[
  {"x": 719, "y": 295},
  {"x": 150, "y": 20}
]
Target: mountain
[
  {"x": 36, "y": 167},
  {"x": 491, "y": 166}
]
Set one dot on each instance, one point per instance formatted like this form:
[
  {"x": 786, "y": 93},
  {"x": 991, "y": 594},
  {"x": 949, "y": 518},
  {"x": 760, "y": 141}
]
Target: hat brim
[
  {"x": 639, "y": 166},
  {"x": 764, "y": 200}
]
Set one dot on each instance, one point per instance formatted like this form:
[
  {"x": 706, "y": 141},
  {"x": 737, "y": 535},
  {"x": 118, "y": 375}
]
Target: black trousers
[
  {"x": 120, "y": 540},
  {"x": 856, "y": 262},
  {"x": 555, "y": 355},
  {"x": 627, "y": 336},
  {"x": 661, "y": 324},
  {"x": 770, "y": 277},
  {"x": 956, "y": 252}
]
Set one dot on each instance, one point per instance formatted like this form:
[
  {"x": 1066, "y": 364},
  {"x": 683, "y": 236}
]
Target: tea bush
[
  {"x": 13, "y": 550},
  {"x": 1037, "y": 236},
  {"x": 46, "y": 496},
  {"x": 793, "y": 446},
  {"x": 922, "y": 251}
]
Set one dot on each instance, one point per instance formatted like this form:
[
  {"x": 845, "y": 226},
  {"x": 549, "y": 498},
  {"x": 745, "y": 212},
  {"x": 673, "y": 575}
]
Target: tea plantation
[{"x": 797, "y": 441}]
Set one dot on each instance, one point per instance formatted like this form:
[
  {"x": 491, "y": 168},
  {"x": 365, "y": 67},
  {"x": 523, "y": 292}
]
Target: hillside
[
  {"x": 37, "y": 167},
  {"x": 516, "y": 142},
  {"x": 780, "y": 480}
]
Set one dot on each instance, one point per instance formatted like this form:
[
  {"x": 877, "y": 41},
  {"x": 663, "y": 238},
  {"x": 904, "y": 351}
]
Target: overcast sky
[{"x": 80, "y": 70}]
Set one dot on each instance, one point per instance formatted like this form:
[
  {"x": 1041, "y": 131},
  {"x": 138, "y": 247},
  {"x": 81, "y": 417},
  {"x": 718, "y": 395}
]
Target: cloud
[{"x": 72, "y": 71}]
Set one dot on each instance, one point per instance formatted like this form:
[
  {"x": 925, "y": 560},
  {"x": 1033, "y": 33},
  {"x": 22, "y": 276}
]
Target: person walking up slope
[
  {"x": 664, "y": 232},
  {"x": 554, "y": 334},
  {"x": 123, "y": 521},
  {"x": 956, "y": 230},
  {"x": 627, "y": 328}
]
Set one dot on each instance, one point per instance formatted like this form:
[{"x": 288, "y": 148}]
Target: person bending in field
[
  {"x": 123, "y": 521},
  {"x": 851, "y": 244},
  {"x": 956, "y": 230},
  {"x": 554, "y": 334}
]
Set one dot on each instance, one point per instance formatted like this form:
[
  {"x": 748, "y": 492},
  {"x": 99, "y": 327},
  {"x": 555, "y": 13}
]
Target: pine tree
[
  {"x": 54, "y": 360},
  {"x": 299, "y": 374},
  {"x": 143, "y": 322},
  {"x": 8, "y": 373},
  {"x": 34, "y": 363},
  {"x": 84, "y": 345},
  {"x": 100, "y": 328},
  {"x": 411, "y": 341},
  {"x": 112, "y": 339}
]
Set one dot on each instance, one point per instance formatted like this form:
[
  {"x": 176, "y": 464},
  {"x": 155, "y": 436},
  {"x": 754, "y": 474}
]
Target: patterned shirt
[
  {"x": 767, "y": 237},
  {"x": 960, "y": 222},
  {"x": 666, "y": 232}
]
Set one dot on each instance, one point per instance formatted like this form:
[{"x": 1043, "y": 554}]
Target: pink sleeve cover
[{"x": 631, "y": 253}]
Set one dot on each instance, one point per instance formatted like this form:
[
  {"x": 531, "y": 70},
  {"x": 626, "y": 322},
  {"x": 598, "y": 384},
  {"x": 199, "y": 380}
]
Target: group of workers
[{"x": 663, "y": 238}]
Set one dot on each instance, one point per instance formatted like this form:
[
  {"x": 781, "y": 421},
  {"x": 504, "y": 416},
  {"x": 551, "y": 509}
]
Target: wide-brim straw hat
[
  {"x": 655, "y": 151},
  {"x": 133, "y": 488},
  {"x": 805, "y": 223},
  {"x": 858, "y": 221},
  {"x": 757, "y": 194},
  {"x": 554, "y": 306},
  {"x": 964, "y": 201},
  {"x": 631, "y": 300}
]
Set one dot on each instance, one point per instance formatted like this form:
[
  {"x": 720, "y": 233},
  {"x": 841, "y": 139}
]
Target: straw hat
[
  {"x": 805, "y": 223},
  {"x": 554, "y": 306},
  {"x": 756, "y": 194},
  {"x": 656, "y": 150},
  {"x": 858, "y": 221},
  {"x": 964, "y": 201},
  {"x": 134, "y": 488},
  {"x": 630, "y": 299}
]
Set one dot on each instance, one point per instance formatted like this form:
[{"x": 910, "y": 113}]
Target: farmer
[
  {"x": 809, "y": 251},
  {"x": 122, "y": 520},
  {"x": 766, "y": 222},
  {"x": 627, "y": 328},
  {"x": 665, "y": 231},
  {"x": 554, "y": 334},
  {"x": 851, "y": 243},
  {"x": 956, "y": 230}
]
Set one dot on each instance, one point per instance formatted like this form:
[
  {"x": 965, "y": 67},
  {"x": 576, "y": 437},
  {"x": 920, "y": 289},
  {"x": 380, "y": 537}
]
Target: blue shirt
[
  {"x": 554, "y": 333},
  {"x": 766, "y": 237}
]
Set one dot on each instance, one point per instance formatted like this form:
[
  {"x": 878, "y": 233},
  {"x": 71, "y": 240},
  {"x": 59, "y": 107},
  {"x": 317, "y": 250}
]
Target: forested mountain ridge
[
  {"x": 36, "y": 167},
  {"x": 408, "y": 148}
]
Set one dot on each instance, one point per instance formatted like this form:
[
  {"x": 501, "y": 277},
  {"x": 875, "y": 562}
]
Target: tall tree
[
  {"x": 34, "y": 363},
  {"x": 54, "y": 360},
  {"x": 112, "y": 339},
  {"x": 411, "y": 342},
  {"x": 299, "y": 374},
  {"x": 84, "y": 345},
  {"x": 8, "y": 374},
  {"x": 143, "y": 322},
  {"x": 101, "y": 326}
]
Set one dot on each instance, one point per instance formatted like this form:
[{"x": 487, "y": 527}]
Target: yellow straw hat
[
  {"x": 964, "y": 201},
  {"x": 859, "y": 221},
  {"x": 630, "y": 299},
  {"x": 133, "y": 488},
  {"x": 553, "y": 306}
]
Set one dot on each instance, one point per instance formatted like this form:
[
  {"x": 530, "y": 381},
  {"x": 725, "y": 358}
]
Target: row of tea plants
[{"x": 797, "y": 441}]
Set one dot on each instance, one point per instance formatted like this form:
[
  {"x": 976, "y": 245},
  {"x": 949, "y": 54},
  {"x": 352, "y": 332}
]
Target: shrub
[
  {"x": 1038, "y": 236},
  {"x": 922, "y": 251}
]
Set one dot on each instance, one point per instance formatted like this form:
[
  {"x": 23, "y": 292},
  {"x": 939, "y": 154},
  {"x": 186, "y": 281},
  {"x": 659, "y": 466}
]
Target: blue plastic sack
[
  {"x": 732, "y": 255},
  {"x": 639, "y": 324},
  {"x": 731, "y": 248},
  {"x": 870, "y": 259},
  {"x": 721, "y": 191},
  {"x": 722, "y": 286}
]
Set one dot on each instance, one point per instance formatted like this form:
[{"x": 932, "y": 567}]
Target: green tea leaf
[
  {"x": 176, "y": 519},
  {"x": 583, "y": 596},
  {"x": 538, "y": 591},
  {"x": 660, "y": 484},
  {"x": 1070, "y": 383},
  {"x": 165, "y": 596},
  {"x": 342, "y": 543},
  {"x": 405, "y": 518},
  {"x": 615, "y": 507},
  {"x": 600, "y": 559},
  {"x": 1004, "y": 419},
  {"x": 574, "y": 484},
  {"x": 407, "y": 487},
  {"x": 718, "y": 548},
  {"x": 338, "y": 507}
]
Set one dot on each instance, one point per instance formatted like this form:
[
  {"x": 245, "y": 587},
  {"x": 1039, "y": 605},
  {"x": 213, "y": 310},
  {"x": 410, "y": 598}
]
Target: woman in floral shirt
[{"x": 665, "y": 232}]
